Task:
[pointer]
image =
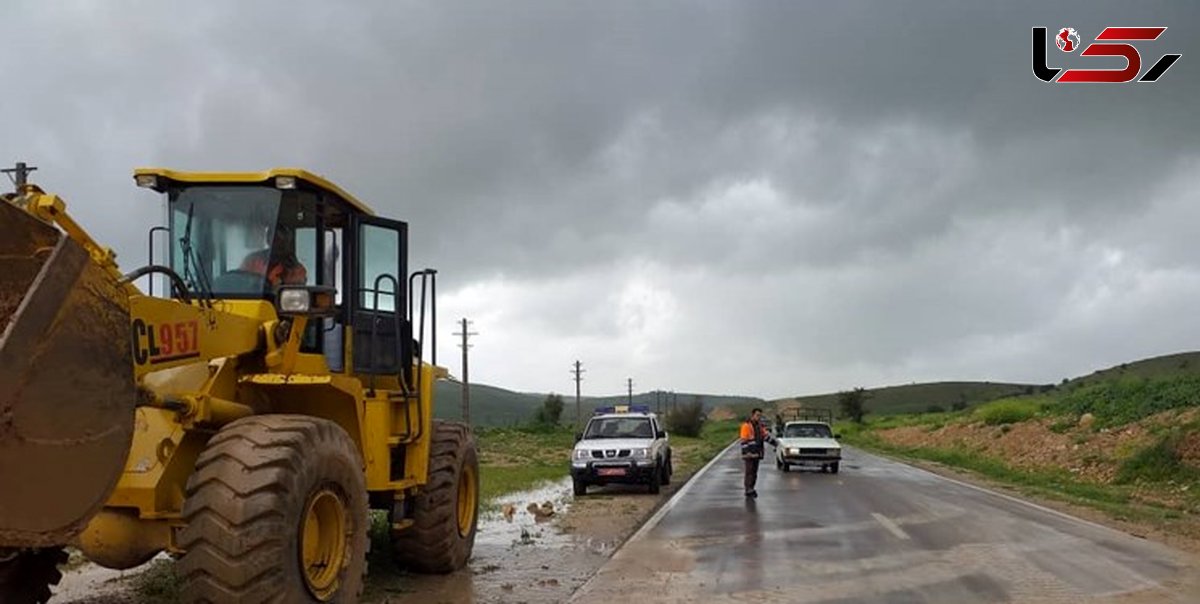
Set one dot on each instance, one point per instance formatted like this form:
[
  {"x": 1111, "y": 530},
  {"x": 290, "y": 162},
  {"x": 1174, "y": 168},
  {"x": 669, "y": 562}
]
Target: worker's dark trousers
[{"x": 751, "y": 473}]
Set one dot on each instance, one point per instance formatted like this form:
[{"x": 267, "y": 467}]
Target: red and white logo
[
  {"x": 1067, "y": 39},
  {"x": 1112, "y": 42}
]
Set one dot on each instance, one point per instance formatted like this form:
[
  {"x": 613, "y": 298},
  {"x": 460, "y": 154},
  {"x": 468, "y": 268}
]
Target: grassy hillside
[
  {"x": 918, "y": 398},
  {"x": 1171, "y": 365},
  {"x": 492, "y": 406}
]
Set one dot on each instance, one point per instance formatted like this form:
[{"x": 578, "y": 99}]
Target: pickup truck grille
[{"x": 610, "y": 453}]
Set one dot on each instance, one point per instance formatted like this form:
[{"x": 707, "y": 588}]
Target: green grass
[
  {"x": 1157, "y": 462},
  {"x": 513, "y": 459},
  {"x": 1121, "y": 401}
]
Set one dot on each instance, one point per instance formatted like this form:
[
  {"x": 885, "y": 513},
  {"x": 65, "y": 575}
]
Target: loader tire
[
  {"x": 276, "y": 511},
  {"x": 26, "y": 576},
  {"x": 446, "y": 511}
]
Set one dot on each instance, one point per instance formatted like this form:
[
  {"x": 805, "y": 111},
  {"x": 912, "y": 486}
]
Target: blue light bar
[{"x": 622, "y": 409}]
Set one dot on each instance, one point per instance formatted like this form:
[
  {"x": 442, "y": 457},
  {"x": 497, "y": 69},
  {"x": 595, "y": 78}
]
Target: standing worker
[{"x": 752, "y": 436}]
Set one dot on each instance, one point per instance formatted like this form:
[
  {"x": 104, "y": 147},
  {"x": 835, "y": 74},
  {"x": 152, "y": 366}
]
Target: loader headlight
[
  {"x": 146, "y": 181},
  {"x": 312, "y": 301},
  {"x": 285, "y": 182}
]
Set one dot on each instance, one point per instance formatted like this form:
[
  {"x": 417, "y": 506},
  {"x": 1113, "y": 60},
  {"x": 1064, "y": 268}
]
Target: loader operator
[
  {"x": 752, "y": 436},
  {"x": 278, "y": 263}
]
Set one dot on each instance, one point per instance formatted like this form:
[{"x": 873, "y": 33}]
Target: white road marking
[{"x": 892, "y": 527}]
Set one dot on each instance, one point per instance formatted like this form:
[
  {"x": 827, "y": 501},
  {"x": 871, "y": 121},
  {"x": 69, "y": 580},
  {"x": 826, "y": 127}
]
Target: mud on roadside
[{"x": 534, "y": 555}]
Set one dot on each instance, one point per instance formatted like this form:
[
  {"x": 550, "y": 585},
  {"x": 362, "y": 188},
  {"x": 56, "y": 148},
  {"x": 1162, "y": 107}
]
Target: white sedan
[{"x": 807, "y": 443}]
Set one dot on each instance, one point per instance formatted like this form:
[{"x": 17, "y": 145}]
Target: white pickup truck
[
  {"x": 807, "y": 443},
  {"x": 621, "y": 444}
]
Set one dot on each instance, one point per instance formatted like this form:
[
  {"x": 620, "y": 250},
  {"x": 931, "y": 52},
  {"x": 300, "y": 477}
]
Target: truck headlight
[
  {"x": 834, "y": 452},
  {"x": 641, "y": 453},
  {"x": 793, "y": 451},
  {"x": 579, "y": 454}
]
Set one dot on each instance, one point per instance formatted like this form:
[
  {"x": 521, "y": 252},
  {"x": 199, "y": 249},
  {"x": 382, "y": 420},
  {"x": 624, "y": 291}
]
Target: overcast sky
[{"x": 745, "y": 197}]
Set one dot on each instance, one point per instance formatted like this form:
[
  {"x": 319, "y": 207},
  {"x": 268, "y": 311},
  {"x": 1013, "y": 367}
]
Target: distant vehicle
[
  {"x": 808, "y": 443},
  {"x": 624, "y": 444}
]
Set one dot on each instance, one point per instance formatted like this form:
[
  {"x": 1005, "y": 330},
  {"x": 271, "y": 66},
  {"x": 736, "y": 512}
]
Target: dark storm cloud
[{"x": 857, "y": 191}]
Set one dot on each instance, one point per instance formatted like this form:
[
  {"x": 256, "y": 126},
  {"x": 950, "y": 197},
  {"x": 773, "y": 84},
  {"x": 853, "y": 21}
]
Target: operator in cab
[
  {"x": 752, "y": 436},
  {"x": 278, "y": 263}
]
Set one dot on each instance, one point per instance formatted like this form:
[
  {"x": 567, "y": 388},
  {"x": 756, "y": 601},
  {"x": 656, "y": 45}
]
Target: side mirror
[
  {"x": 661, "y": 434},
  {"x": 837, "y": 436},
  {"x": 578, "y": 436}
]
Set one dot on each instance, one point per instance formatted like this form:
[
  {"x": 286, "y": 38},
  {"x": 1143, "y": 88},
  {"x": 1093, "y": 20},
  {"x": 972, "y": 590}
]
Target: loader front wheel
[
  {"x": 276, "y": 510},
  {"x": 446, "y": 511},
  {"x": 26, "y": 576}
]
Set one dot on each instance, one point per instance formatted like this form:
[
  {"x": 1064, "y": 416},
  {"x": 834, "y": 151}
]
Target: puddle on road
[{"x": 519, "y": 559}]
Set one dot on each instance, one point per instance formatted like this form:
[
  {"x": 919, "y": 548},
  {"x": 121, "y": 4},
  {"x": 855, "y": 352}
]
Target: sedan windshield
[
  {"x": 807, "y": 431},
  {"x": 619, "y": 427}
]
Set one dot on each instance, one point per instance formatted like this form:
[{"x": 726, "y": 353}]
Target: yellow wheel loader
[{"x": 245, "y": 422}]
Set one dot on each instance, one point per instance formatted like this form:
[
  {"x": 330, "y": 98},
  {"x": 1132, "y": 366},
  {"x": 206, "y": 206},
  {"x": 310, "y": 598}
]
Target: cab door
[{"x": 379, "y": 298}]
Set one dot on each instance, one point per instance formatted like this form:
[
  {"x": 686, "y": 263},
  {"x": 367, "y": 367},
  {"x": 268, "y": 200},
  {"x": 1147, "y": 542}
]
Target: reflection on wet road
[{"x": 879, "y": 531}]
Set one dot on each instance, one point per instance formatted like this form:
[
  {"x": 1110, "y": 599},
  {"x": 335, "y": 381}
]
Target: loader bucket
[{"x": 67, "y": 392}]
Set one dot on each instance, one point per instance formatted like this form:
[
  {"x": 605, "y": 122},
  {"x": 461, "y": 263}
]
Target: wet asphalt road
[{"x": 879, "y": 531}]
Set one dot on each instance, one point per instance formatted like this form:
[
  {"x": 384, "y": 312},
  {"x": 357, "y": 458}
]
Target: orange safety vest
[{"x": 276, "y": 274}]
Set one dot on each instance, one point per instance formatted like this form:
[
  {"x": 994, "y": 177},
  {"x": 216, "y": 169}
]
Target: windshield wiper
[{"x": 196, "y": 278}]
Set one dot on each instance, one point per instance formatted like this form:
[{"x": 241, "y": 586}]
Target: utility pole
[
  {"x": 19, "y": 175},
  {"x": 630, "y": 382},
  {"x": 578, "y": 371},
  {"x": 466, "y": 333}
]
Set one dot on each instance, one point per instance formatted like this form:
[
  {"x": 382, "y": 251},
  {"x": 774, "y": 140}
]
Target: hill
[
  {"x": 918, "y": 398},
  {"x": 493, "y": 406},
  {"x": 1166, "y": 366}
]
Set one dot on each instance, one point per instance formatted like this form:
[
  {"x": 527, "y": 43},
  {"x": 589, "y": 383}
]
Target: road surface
[{"x": 879, "y": 531}]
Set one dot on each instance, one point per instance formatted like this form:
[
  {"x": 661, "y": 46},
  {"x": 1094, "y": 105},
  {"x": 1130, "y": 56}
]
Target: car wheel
[
  {"x": 833, "y": 468},
  {"x": 656, "y": 480},
  {"x": 580, "y": 487},
  {"x": 778, "y": 463},
  {"x": 785, "y": 466}
]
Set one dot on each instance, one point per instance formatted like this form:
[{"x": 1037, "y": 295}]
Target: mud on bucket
[{"x": 67, "y": 393}]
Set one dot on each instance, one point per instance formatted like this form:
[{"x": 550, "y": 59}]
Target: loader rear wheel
[
  {"x": 446, "y": 511},
  {"x": 26, "y": 576},
  {"x": 276, "y": 510}
]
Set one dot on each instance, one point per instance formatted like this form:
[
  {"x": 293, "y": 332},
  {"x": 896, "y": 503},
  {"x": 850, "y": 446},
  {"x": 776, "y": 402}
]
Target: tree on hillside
[
  {"x": 550, "y": 412},
  {"x": 853, "y": 404},
  {"x": 961, "y": 403}
]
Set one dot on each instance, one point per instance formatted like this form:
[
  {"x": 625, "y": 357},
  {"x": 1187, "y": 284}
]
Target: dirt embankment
[
  {"x": 1048, "y": 443},
  {"x": 1090, "y": 455}
]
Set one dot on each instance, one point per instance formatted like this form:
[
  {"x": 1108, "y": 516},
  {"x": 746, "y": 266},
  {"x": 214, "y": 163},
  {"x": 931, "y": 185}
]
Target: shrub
[
  {"x": 935, "y": 409},
  {"x": 1158, "y": 462},
  {"x": 686, "y": 419},
  {"x": 1008, "y": 411}
]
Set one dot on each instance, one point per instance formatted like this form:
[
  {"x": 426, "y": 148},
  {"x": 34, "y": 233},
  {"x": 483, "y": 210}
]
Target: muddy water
[{"x": 525, "y": 559}]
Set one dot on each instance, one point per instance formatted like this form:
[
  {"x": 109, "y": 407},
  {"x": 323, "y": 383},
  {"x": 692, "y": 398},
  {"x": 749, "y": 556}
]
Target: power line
[
  {"x": 19, "y": 174},
  {"x": 466, "y": 382},
  {"x": 578, "y": 371}
]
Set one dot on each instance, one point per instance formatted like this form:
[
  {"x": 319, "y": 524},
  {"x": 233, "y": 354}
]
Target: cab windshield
[
  {"x": 807, "y": 431},
  {"x": 619, "y": 427},
  {"x": 240, "y": 241}
]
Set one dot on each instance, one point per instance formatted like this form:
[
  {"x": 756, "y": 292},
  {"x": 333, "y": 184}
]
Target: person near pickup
[{"x": 753, "y": 435}]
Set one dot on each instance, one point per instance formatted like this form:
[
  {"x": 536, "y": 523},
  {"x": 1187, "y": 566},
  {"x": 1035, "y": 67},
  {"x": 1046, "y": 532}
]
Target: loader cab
[{"x": 244, "y": 236}]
